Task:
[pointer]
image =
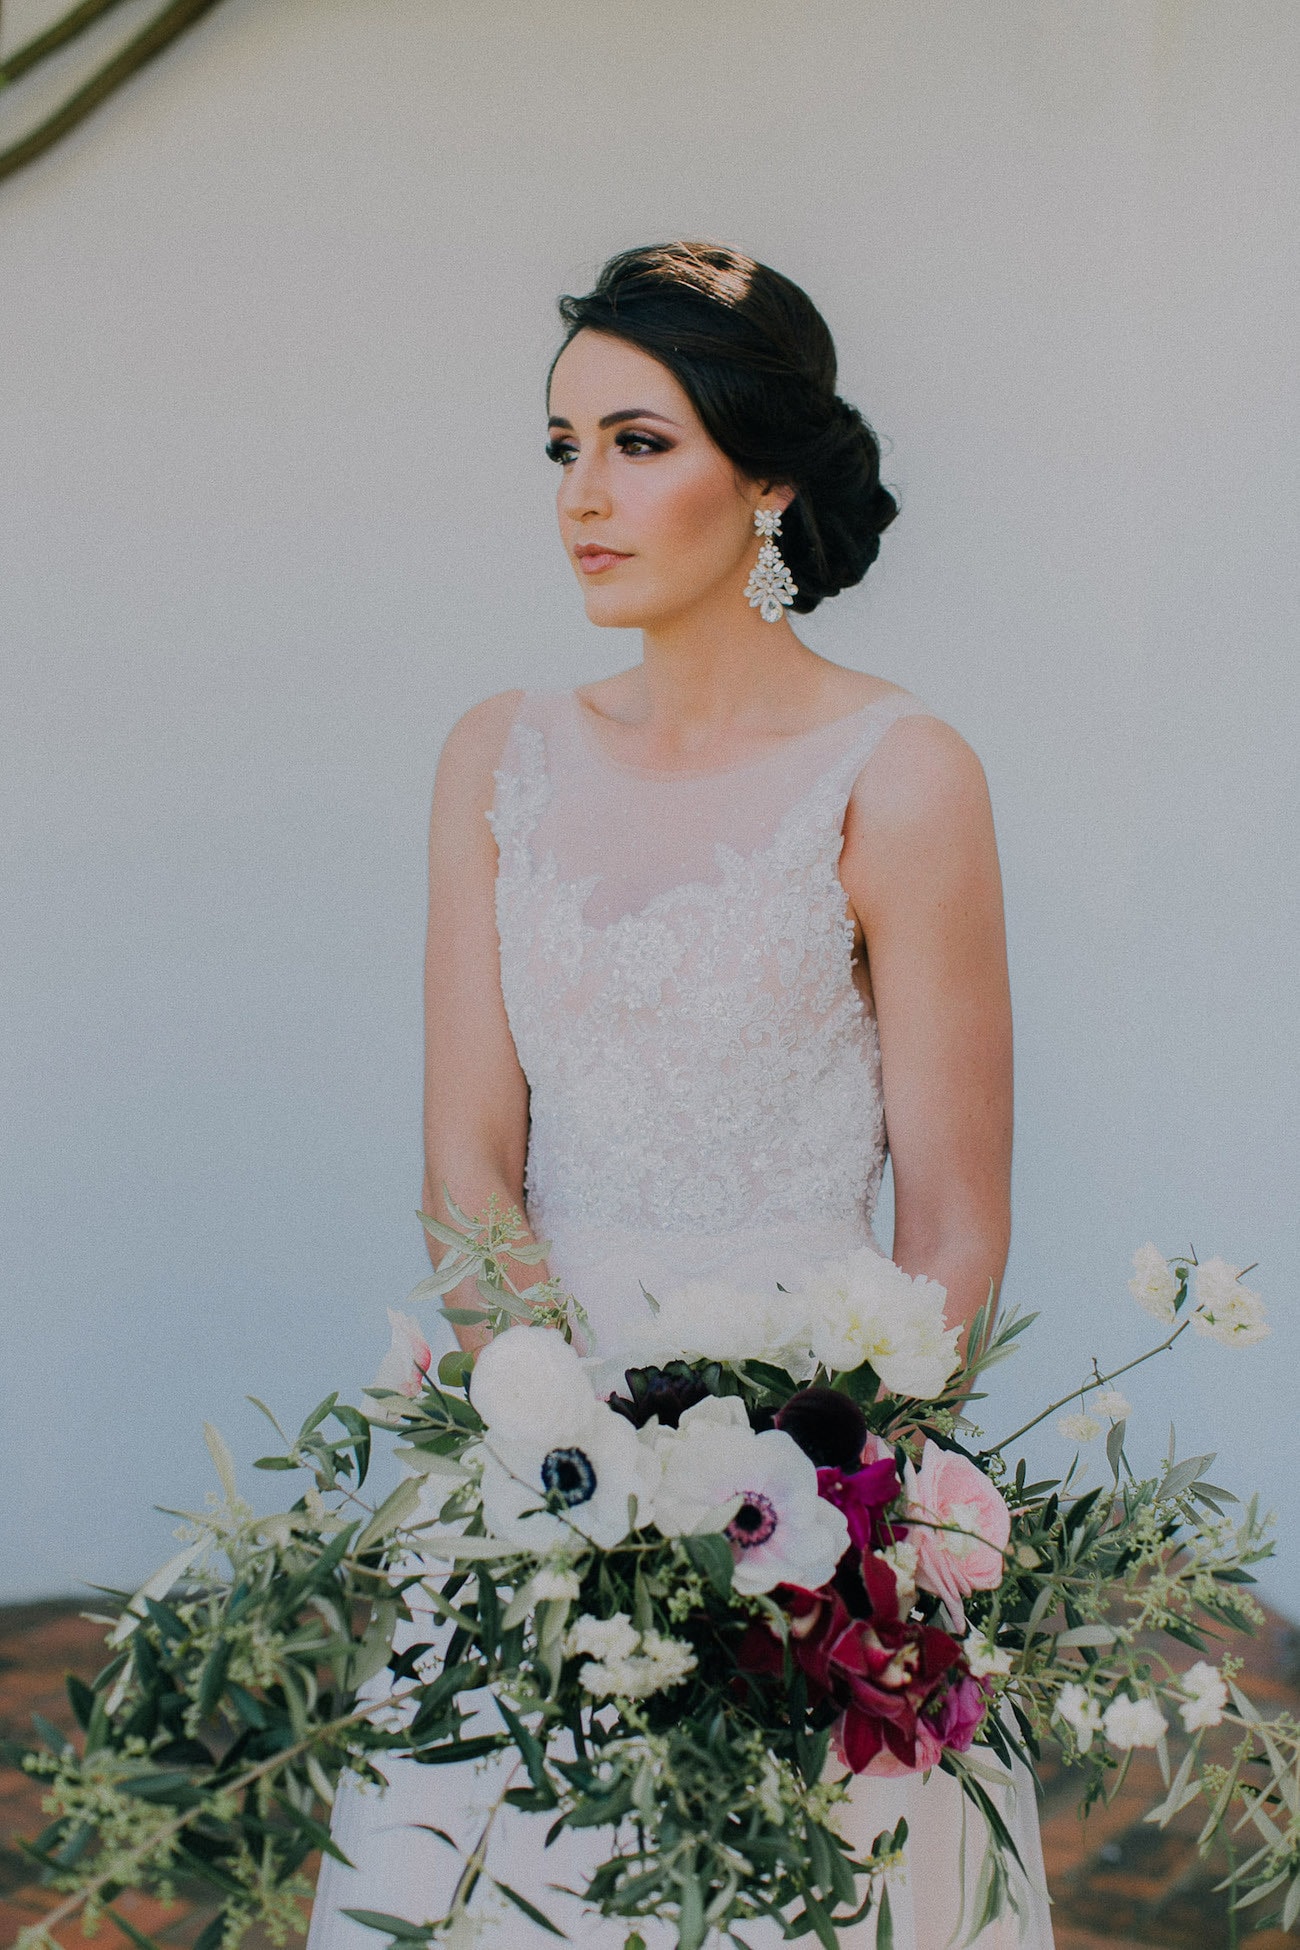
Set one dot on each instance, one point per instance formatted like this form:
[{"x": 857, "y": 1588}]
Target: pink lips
[{"x": 593, "y": 560}]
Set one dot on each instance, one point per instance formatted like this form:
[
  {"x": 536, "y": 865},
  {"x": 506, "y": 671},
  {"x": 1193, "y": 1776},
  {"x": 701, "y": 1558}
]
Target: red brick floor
[{"x": 1117, "y": 1883}]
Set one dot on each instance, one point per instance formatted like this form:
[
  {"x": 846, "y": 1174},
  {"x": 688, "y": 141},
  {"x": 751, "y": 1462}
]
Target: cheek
[{"x": 690, "y": 511}]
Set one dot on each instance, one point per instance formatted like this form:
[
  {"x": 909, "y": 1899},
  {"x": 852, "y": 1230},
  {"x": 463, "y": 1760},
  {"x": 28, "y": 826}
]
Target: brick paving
[{"x": 1117, "y": 1883}]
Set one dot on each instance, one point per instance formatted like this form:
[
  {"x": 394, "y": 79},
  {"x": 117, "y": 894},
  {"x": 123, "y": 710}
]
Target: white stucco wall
[{"x": 273, "y": 511}]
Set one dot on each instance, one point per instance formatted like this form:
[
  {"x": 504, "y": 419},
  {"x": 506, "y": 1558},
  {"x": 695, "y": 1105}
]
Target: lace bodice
[{"x": 677, "y": 967}]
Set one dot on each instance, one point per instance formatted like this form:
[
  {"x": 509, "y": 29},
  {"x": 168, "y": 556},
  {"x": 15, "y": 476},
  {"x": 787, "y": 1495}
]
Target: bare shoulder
[
  {"x": 464, "y": 787},
  {"x": 473, "y": 748},
  {"x": 922, "y": 778}
]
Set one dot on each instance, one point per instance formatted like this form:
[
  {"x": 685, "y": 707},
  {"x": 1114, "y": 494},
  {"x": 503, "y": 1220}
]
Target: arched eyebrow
[{"x": 616, "y": 419}]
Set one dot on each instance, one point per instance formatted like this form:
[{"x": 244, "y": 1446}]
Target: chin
[
  {"x": 614, "y": 609},
  {"x": 627, "y": 608}
]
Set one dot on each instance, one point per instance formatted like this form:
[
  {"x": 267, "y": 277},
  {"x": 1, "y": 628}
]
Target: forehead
[{"x": 597, "y": 374}]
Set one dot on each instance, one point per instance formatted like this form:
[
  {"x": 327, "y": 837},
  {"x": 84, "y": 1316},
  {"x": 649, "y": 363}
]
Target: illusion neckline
[{"x": 590, "y": 740}]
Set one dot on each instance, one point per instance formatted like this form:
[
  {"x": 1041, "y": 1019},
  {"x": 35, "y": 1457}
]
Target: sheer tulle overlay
[{"x": 705, "y": 1102}]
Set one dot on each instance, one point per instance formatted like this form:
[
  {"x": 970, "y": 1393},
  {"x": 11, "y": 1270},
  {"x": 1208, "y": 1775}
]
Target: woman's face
[{"x": 654, "y": 516}]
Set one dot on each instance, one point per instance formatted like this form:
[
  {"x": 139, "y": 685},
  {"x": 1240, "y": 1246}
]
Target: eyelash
[{"x": 563, "y": 451}]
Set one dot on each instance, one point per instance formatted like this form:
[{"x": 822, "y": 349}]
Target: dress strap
[
  {"x": 823, "y": 806},
  {"x": 523, "y": 782}
]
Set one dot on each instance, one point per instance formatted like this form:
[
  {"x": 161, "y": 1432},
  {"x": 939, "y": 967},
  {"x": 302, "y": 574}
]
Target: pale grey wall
[{"x": 274, "y": 511}]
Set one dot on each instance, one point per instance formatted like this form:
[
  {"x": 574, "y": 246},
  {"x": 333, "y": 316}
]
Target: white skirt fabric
[{"x": 403, "y": 1868}]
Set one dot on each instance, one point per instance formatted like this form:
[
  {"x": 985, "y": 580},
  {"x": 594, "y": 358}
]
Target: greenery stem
[
  {"x": 70, "y": 1906},
  {"x": 1114, "y": 1375}
]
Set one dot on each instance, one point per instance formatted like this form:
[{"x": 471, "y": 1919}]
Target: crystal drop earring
[{"x": 771, "y": 588}]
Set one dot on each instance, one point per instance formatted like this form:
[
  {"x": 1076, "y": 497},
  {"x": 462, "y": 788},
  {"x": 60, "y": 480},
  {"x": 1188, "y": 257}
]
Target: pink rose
[
  {"x": 405, "y": 1367},
  {"x": 959, "y": 1525}
]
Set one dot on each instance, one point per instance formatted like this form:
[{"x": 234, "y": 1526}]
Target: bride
[{"x": 700, "y": 935}]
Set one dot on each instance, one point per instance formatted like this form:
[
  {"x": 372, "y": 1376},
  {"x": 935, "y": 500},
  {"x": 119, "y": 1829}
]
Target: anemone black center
[
  {"x": 568, "y": 1476},
  {"x": 754, "y": 1522}
]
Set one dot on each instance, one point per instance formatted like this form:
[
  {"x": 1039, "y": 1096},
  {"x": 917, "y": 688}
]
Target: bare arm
[
  {"x": 920, "y": 867},
  {"x": 475, "y": 1094}
]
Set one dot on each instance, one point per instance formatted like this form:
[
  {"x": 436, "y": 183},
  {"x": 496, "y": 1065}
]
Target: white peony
[
  {"x": 985, "y": 1661},
  {"x": 1112, "y": 1404},
  {"x": 759, "y": 1490},
  {"x": 1226, "y": 1311},
  {"x": 1153, "y": 1285},
  {"x": 1131, "y": 1722},
  {"x": 708, "y": 1320},
  {"x": 1081, "y": 1714},
  {"x": 866, "y": 1309},
  {"x": 556, "y": 1459},
  {"x": 1207, "y": 1696},
  {"x": 1079, "y": 1428}
]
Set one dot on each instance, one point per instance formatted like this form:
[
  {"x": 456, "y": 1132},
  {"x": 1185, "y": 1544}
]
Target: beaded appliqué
[{"x": 706, "y": 1062}]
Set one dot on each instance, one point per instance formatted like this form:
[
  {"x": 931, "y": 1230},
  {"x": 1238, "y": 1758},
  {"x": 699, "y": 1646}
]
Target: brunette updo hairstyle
[{"x": 755, "y": 357}]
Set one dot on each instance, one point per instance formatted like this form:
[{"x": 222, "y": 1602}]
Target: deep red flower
[{"x": 882, "y": 1671}]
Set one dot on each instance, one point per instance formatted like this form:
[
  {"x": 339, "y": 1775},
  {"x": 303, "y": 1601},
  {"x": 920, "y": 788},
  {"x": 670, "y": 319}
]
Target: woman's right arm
[{"x": 475, "y": 1094}]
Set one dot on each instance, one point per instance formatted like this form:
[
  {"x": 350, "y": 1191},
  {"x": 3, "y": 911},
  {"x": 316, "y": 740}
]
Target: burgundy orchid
[{"x": 893, "y": 1678}]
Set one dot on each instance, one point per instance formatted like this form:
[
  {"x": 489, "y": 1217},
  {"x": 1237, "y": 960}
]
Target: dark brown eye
[
  {"x": 641, "y": 443},
  {"x": 561, "y": 451}
]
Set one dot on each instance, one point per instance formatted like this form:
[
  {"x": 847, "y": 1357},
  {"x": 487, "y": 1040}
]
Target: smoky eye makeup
[{"x": 630, "y": 440}]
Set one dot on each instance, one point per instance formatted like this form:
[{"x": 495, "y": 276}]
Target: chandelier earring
[{"x": 771, "y": 588}]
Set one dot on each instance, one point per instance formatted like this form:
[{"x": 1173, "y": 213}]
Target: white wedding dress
[{"x": 705, "y": 1100}]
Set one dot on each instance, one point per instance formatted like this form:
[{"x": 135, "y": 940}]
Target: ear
[{"x": 772, "y": 494}]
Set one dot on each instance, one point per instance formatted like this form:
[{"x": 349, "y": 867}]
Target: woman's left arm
[{"x": 920, "y": 867}]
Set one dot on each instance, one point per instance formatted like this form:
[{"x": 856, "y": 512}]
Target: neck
[{"x": 719, "y": 666}]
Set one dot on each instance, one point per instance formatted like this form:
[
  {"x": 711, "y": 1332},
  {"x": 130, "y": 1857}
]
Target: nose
[{"x": 584, "y": 489}]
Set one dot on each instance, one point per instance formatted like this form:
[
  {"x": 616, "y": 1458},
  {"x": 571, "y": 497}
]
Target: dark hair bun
[{"x": 756, "y": 358}]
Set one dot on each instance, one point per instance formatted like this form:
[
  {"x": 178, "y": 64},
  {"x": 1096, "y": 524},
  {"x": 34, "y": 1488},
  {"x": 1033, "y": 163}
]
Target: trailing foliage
[{"x": 661, "y": 1680}]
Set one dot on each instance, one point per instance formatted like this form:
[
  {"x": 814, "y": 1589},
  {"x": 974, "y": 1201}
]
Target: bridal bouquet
[{"x": 686, "y": 1614}]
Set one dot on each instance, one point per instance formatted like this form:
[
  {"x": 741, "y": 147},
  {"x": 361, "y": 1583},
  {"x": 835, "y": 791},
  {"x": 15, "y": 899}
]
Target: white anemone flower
[
  {"x": 865, "y": 1309},
  {"x": 1154, "y": 1285},
  {"x": 555, "y": 1459},
  {"x": 1226, "y": 1311},
  {"x": 528, "y": 1384},
  {"x": 537, "y": 1492},
  {"x": 710, "y": 1320},
  {"x": 759, "y": 1490}
]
